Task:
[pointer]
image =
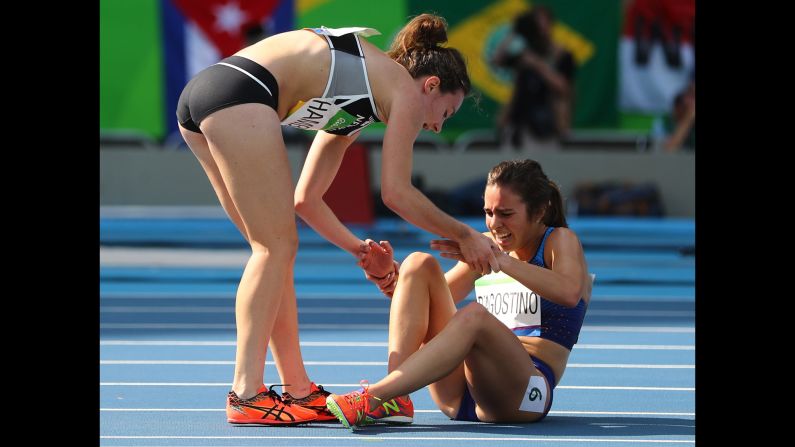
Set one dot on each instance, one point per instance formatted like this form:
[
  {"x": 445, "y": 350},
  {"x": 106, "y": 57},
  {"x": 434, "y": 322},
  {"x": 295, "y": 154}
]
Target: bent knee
[
  {"x": 449, "y": 411},
  {"x": 470, "y": 315},
  {"x": 419, "y": 262},
  {"x": 284, "y": 246},
  {"x": 473, "y": 310}
]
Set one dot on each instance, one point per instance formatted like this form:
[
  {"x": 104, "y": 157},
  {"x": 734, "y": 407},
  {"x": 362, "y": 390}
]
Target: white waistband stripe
[{"x": 249, "y": 75}]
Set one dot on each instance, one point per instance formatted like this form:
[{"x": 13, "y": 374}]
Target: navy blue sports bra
[
  {"x": 527, "y": 313},
  {"x": 560, "y": 324}
]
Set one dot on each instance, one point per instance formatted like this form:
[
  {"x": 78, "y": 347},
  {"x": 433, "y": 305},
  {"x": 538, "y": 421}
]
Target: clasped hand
[
  {"x": 380, "y": 267},
  {"x": 457, "y": 250}
]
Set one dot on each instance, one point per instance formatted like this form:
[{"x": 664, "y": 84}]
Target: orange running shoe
[
  {"x": 350, "y": 409},
  {"x": 266, "y": 408},
  {"x": 399, "y": 410},
  {"x": 315, "y": 401}
]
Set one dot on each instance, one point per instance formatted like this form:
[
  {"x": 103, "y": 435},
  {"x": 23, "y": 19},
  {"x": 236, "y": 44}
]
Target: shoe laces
[
  {"x": 320, "y": 390},
  {"x": 273, "y": 394},
  {"x": 358, "y": 400},
  {"x": 358, "y": 403},
  {"x": 309, "y": 397},
  {"x": 235, "y": 399},
  {"x": 365, "y": 385}
]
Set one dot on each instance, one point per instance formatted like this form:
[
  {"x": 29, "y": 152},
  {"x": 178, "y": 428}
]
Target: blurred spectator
[
  {"x": 540, "y": 109},
  {"x": 679, "y": 128},
  {"x": 616, "y": 198}
]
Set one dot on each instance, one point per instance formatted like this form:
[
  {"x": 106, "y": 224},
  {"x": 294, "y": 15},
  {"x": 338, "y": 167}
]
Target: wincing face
[
  {"x": 440, "y": 106},
  {"x": 508, "y": 222}
]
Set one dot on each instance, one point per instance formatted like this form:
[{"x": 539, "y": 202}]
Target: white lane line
[
  {"x": 641, "y": 313},
  {"x": 652, "y": 329},
  {"x": 622, "y": 388},
  {"x": 638, "y": 347},
  {"x": 143, "y": 295},
  {"x": 554, "y": 412},
  {"x": 325, "y": 363},
  {"x": 355, "y": 385},
  {"x": 627, "y": 365},
  {"x": 621, "y": 413},
  {"x": 585, "y": 329},
  {"x": 353, "y": 295},
  {"x": 167, "y": 409},
  {"x": 419, "y": 438},
  {"x": 361, "y": 310},
  {"x": 227, "y": 362},
  {"x": 358, "y": 344},
  {"x": 142, "y": 326},
  {"x": 231, "y": 309},
  {"x": 361, "y": 344}
]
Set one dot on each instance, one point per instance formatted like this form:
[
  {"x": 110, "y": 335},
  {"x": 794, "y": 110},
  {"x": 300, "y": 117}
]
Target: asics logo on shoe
[
  {"x": 266, "y": 408},
  {"x": 275, "y": 411}
]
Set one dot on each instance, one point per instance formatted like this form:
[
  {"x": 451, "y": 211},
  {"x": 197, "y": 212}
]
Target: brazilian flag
[{"x": 589, "y": 29}]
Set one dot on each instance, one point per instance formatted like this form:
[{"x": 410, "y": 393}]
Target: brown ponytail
[
  {"x": 423, "y": 31},
  {"x": 418, "y": 48}
]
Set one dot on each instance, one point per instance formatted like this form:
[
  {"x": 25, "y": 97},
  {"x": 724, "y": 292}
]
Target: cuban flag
[
  {"x": 656, "y": 54},
  {"x": 199, "y": 33}
]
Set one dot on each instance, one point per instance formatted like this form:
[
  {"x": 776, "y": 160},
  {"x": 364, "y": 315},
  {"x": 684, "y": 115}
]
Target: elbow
[
  {"x": 391, "y": 198},
  {"x": 301, "y": 204},
  {"x": 571, "y": 297}
]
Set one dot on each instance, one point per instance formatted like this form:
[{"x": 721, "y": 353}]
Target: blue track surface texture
[{"x": 167, "y": 339}]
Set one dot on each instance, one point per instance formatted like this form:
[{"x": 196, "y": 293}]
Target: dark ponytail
[{"x": 555, "y": 215}]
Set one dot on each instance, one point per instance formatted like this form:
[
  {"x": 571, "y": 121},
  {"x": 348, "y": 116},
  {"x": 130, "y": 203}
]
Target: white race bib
[
  {"x": 513, "y": 304},
  {"x": 535, "y": 398},
  {"x": 323, "y": 114}
]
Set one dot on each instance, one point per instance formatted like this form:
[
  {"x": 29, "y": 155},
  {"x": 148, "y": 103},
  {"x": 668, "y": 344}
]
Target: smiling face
[
  {"x": 508, "y": 221},
  {"x": 439, "y": 106}
]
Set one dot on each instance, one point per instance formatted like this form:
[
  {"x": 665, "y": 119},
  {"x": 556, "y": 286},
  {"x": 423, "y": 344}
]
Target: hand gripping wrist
[{"x": 396, "y": 269}]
